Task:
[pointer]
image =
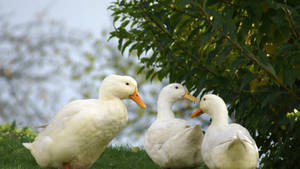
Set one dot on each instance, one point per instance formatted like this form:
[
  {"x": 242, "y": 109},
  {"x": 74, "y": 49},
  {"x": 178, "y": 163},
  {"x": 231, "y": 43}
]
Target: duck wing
[
  {"x": 184, "y": 149},
  {"x": 242, "y": 135},
  {"x": 161, "y": 131},
  {"x": 158, "y": 134}
]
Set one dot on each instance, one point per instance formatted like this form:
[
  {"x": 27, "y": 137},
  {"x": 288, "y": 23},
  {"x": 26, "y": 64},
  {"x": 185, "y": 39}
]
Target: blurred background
[{"x": 53, "y": 52}]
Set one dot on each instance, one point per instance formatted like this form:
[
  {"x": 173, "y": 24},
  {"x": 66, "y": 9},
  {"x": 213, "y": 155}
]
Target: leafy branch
[
  {"x": 291, "y": 23},
  {"x": 249, "y": 55},
  {"x": 234, "y": 44},
  {"x": 173, "y": 39}
]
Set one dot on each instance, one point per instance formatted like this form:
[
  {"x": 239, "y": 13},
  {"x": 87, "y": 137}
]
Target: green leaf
[
  {"x": 133, "y": 47},
  {"x": 230, "y": 29},
  {"x": 270, "y": 98},
  {"x": 149, "y": 73},
  {"x": 270, "y": 69},
  {"x": 120, "y": 42},
  {"x": 206, "y": 37},
  {"x": 217, "y": 19},
  {"x": 285, "y": 48},
  {"x": 289, "y": 77},
  {"x": 128, "y": 42},
  {"x": 240, "y": 60},
  {"x": 183, "y": 24},
  {"x": 139, "y": 50},
  {"x": 116, "y": 18},
  {"x": 228, "y": 13},
  {"x": 245, "y": 28},
  {"x": 124, "y": 24},
  {"x": 140, "y": 70},
  {"x": 211, "y": 56},
  {"x": 175, "y": 20},
  {"x": 247, "y": 79},
  {"x": 224, "y": 53},
  {"x": 193, "y": 33}
]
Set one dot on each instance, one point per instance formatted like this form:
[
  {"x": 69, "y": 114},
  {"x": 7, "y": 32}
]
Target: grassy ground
[{"x": 14, "y": 156}]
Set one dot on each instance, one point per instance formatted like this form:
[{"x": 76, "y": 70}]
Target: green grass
[
  {"x": 14, "y": 156},
  {"x": 124, "y": 157}
]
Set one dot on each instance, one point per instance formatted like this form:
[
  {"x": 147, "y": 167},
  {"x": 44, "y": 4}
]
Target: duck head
[
  {"x": 176, "y": 91},
  {"x": 168, "y": 95},
  {"x": 210, "y": 104},
  {"x": 122, "y": 87}
]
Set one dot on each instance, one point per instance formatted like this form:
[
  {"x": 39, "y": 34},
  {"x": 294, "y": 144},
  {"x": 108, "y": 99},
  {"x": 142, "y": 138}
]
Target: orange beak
[
  {"x": 187, "y": 96},
  {"x": 197, "y": 112},
  {"x": 136, "y": 98}
]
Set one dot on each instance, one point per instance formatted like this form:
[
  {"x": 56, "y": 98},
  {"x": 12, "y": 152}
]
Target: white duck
[
  {"x": 80, "y": 132},
  {"x": 225, "y": 146},
  {"x": 171, "y": 142}
]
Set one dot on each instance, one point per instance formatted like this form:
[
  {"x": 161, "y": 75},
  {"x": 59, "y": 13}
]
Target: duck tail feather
[
  {"x": 27, "y": 145},
  {"x": 237, "y": 142}
]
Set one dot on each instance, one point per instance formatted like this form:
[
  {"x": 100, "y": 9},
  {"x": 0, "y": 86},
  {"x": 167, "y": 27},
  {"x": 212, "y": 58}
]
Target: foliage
[
  {"x": 11, "y": 130},
  {"x": 248, "y": 52},
  {"x": 294, "y": 115},
  {"x": 15, "y": 156}
]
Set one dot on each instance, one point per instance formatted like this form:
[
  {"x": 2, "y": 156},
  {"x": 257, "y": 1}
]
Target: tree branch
[
  {"x": 234, "y": 44},
  {"x": 250, "y": 56},
  {"x": 174, "y": 40},
  {"x": 291, "y": 23}
]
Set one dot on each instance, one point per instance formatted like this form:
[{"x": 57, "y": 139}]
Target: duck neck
[
  {"x": 164, "y": 107},
  {"x": 219, "y": 116},
  {"x": 104, "y": 95}
]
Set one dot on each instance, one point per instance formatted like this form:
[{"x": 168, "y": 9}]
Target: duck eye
[
  {"x": 204, "y": 99},
  {"x": 127, "y": 83},
  {"x": 176, "y": 87}
]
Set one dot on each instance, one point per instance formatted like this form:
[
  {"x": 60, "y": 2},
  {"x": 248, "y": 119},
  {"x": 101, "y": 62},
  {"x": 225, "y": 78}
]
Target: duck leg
[{"x": 66, "y": 165}]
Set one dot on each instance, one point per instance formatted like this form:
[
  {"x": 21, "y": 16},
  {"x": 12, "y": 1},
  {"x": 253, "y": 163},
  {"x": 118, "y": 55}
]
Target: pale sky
[{"x": 86, "y": 15}]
